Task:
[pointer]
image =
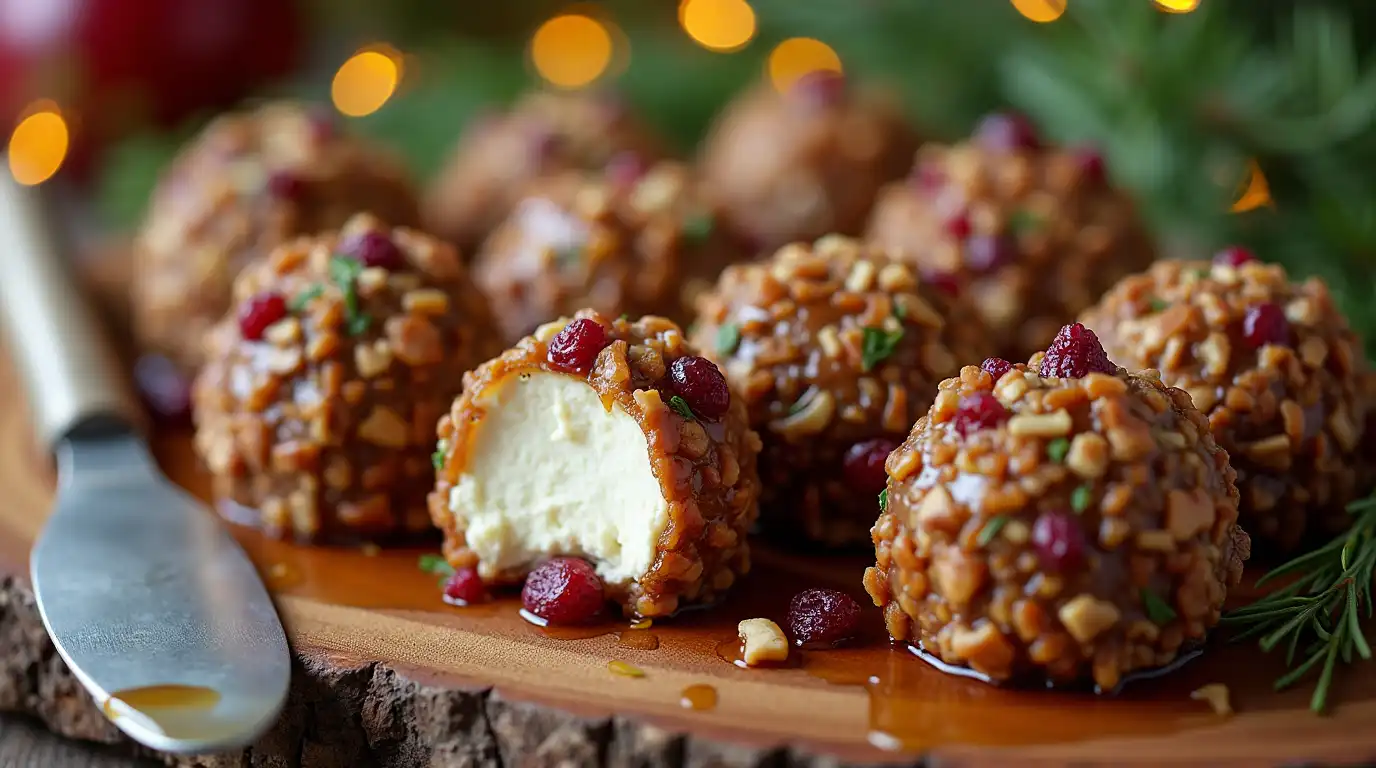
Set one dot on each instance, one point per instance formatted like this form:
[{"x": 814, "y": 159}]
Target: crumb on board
[{"x": 762, "y": 642}]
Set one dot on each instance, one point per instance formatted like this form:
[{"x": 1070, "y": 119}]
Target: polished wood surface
[{"x": 873, "y": 702}]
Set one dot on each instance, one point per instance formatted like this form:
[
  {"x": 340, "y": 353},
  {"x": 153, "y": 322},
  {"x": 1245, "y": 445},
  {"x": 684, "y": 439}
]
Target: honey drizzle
[{"x": 699, "y": 697}]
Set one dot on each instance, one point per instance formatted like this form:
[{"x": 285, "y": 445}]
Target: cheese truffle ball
[
  {"x": 799, "y": 165},
  {"x": 622, "y": 240},
  {"x": 316, "y": 409},
  {"x": 835, "y": 349},
  {"x": 251, "y": 181},
  {"x": 1034, "y": 234},
  {"x": 542, "y": 134},
  {"x": 1049, "y": 529},
  {"x": 1275, "y": 367},
  {"x": 608, "y": 440}
]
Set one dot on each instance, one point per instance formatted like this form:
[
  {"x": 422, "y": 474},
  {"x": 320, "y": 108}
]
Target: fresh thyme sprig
[{"x": 1322, "y": 609}]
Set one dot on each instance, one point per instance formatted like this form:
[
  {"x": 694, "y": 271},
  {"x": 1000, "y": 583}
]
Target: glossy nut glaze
[
  {"x": 324, "y": 426},
  {"x": 1293, "y": 415},
  {"x": 500, "y": 154},
  {"x": 1028, "y": 559},
  {"x": 799, "y": 165},
  {"x": 791, "y": 335},
  {"x": 251, "y": 181},
  {"x": 1033, "y": 235},
  {"x": 705, "y": 467},
  {"x": 617, "y": 241}
]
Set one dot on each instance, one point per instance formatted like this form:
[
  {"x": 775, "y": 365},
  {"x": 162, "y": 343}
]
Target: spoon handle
[{"x": 68, "y": 369}]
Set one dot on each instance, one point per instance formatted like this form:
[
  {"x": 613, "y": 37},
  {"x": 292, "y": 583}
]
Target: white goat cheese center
[{"x": 552, "y": 472}]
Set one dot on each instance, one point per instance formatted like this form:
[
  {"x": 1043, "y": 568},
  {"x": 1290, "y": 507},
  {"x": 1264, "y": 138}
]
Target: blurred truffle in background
[
  {"x": 806, "y": 162},
  {"x": 500, "y": 154},
  {"x": 249, "y": 182}
]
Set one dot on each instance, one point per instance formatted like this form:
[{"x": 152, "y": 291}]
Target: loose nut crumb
[
  {"x": 763, "y": 642},
  {"x": 1217, "y": 697}
]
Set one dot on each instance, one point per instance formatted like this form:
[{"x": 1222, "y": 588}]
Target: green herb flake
[
  {"x": 1057, "y": 449},
  {"x": 568, "y": 254},
  {"x": 434, "y": 564},
  {"x": 680, "y": 406},
  {"x": 1157, "y": 305},
  {"x": 306, "y": 297},
  {"x": 1203, "y": 273},
  {"x": 884, "y": 500},
  {"x": 344, "y": 273},
  {"x": 991, "y": 529},
  {"x": 624, "y": 317},
  {"x": 1080, "y": 498},
  {"x": 437, "y": 458},
  {"x": 1157, "y": 609},
  {"x": 698, "y": 227},
  {"x": 1024, "y": 222},
  {"x": 728, "y": 338},
  {"x": 876, "y": 345}
]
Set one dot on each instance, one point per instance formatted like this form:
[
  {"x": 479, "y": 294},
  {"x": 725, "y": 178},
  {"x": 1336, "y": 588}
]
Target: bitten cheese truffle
[
  {"x": 608, "y": 440},
  {"x": 835, "y": 350},
  {"x": 802, "y": 164},
  {"x": 316, "y": 409},
  {"x": 1078, "y": 525},
  {"x": 1276, "y": 369},
  {"x": 544, "y": 133},
  {"x": 250, "y": 182},
  {"x": 626, "y": 239},
  {"x": 1034, "y": 234}
]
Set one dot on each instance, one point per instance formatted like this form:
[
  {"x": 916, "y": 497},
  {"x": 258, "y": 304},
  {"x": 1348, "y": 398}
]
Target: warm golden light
[
  {"x": 1256, "y": 193},
  {"x": 1040, "y": 10},
  {"x": 718, "y": 25},
  {"x": 1177, "y": 6},
  {"x": 365, "y": 82},
  {"x": 38, "y": 145},
  {"x": 798, "y": 56},
  {"x": 571, "y": 51}
]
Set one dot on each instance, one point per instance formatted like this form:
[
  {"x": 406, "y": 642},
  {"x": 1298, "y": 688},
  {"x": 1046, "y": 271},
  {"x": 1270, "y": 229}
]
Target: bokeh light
[
  {"x": 571, "y": 50},
  {"x": 1040, "y": 10},
  {"x": 1177, "y": 6},
  {"x": 718, "y": 25},
  {"x": 1256, "y": 192},
  {"x": 365, "y": 82},
  {"x": 798, "y": 56},
  {"x": 38, "y": 144}
]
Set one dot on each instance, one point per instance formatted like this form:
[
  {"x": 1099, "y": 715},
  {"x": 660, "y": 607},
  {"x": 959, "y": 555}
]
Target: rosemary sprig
[{"x": 1319, "y": 614}]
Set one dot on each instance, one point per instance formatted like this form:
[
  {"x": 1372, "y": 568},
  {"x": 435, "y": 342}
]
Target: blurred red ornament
[{"x": 113, "y": 65}]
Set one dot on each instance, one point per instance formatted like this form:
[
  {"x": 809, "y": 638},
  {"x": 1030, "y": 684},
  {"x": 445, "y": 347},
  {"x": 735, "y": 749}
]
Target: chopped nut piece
[
  {"x": 1056, "y": 424},
  {"x": 1085, "y": 617},
  {"x": 1216, "y": 696},
  {"x": 763, "y": 642}
]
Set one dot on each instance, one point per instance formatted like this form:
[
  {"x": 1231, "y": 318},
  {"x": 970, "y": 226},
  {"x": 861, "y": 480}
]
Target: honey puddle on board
[{"x": 179, "y": 711}]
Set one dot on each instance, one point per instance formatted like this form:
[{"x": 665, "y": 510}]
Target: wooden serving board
[{"x": 389, "y": 675}]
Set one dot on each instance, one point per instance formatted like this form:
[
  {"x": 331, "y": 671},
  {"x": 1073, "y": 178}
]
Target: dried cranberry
[
  {"x": 1075, "y": 353},
  {"x": 625, "y": 169},
  {"x": 165, "y": 389},
  {"x": 545, "y": 144},
  {"x": 1091, "y": 164},
  {"x": 1006, "y": 132},
  {"x": 699, "y": 381},
  {"x": 464, "y": 587},
  {"x": 373, "y": 249},
  {"x": 986, "y": 253},
  {"x": 564, "y": 590},
  {"x": 944, "y": 282},
  {"x": 576, "y": 347},
  {"x": 1058, "y": 540},
  {"x": 980, "y": 410},
  {"x": 996, "y": 367},
  {"x": 1264, "y": 324},
  {"x": 259, "y": 312},
  {"x": 1233, "y": 256},
  {"x": 820, "y": 88},
  {"x": 822, "y": 616},
  {"x": 958, "y": 226},
  {"x": 324, "y": 125},
  {"x": 285, "y": 185},
  {"x": 864, "y": 464}
]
